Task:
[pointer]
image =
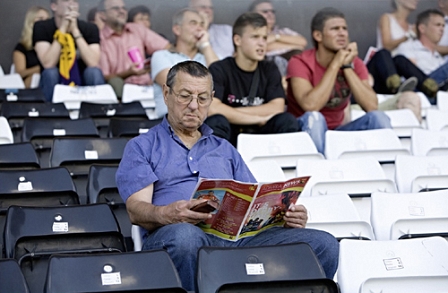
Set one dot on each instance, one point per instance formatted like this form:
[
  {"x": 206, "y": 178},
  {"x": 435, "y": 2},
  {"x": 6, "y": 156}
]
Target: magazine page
[
  {"x": 271, "y": 204},
  {"x": 233, "y": 198}
]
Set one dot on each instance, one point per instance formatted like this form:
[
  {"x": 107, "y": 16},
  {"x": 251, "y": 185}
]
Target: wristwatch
[{"x": 345, "y": 66}]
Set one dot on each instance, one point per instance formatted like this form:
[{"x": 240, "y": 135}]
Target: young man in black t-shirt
[
  {"x": 61, "y": 38},
  {"x": 234, "y": 109}
]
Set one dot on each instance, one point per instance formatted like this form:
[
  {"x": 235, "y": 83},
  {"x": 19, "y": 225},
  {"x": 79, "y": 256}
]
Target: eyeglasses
[
  {"x": 266, "y": 11},
  {"x": 204, "y": 7},
  {"x": 117, "y": 8},
  {"x": 185, "y": 99}
]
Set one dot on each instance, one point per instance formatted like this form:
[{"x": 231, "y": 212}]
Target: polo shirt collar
[
  {"x": 204, "y": 128},
  {"x": 107, "y": 31}
]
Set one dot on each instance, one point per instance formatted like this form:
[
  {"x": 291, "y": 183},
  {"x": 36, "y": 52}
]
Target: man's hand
[
  {"x": 179, "y": 212},
  {"x": 134, "y": 70},
  {"x": 352, "y": 49},
  {"x": 339, "y": 58},
  {"x": 203, "y": 40},
  {"x": 296, "y": 217},
  {"x": 69, "y": 23}
]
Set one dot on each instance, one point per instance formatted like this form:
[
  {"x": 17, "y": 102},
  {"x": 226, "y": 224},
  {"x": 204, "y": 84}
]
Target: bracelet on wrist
[
  {"x": 345, "y": 66},
  {"x": 277, "y": 37},
  {"x": 204, "y": 45},
  {"x": 77, "y": 37}
]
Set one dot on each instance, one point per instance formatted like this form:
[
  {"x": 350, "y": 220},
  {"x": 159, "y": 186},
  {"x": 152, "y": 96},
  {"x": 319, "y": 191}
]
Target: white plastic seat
[
  {"x": 5, "y": 131},
  {"x": 442, "y": 100},
  {"x": 429, "y": 142},
  {"x": 143, "y": 94},
  {"x": 266, "y": 171},
  {"x": 437, "y": 119},
  {"x": 35, "y": 80},
  {"x": 341, "y": 222},
  {"x": 387, "y": 266},
  {"x": 395, "y": 215},
  {"x": 284, "y": 148},
  {"x": 402, "y": 121},
  {"x": 73, "y": 96},
  {"x": 414, "y": 174},
  {"x": 11, "y": 81}
]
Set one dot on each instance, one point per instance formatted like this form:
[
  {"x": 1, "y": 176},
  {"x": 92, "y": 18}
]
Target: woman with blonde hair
[{"x": 24, "y": 57}]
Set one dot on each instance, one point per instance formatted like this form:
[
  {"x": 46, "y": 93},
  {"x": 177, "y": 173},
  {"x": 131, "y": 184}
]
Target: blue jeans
[
  {"x": 50, "y": 77},
  {"x": 315, "y": 125},
  {"x": 182, "y": 242},
  {"x": 440, "y": 75}
]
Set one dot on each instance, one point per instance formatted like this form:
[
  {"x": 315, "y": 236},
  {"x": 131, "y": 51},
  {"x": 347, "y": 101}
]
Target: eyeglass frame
[
  {"x": 190, "y": 97},
  {"x": 266, "y": 11},
  {"x": 117, "y": 8}
]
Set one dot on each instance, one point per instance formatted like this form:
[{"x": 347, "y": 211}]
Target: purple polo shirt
[{"x": 160, "y": 157}]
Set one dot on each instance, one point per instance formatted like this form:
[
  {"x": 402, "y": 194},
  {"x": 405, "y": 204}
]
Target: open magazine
[{"x": 245, "y": 209}]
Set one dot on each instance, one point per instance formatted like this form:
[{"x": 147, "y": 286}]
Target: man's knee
[
  {"x": 378, "y": 120},
  {"x": 284, "y": 122},
  {"x": 220, "y": 125},
  {"x": 312, "y": 120},
  {"x": 93, "y": 76}
]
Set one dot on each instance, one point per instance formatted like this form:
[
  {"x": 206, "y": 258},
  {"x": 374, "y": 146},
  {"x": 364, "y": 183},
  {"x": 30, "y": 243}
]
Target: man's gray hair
[
  {"x": 189, "y": 67},
  {"x": 179, "y": 16}
]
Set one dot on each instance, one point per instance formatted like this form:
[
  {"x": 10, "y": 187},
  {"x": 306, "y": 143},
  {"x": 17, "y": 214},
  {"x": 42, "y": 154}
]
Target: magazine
[{"x": 245, "y": 209}]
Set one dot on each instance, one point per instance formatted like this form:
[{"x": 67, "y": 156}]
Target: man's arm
[
  {"x": 277, "y": 41},
  {"x": 131, "y": 71},
  {"x": 47, "y": 53},
  {"x": 361, "y": 90},
  {"x": 206, "y": 49},
  {"x": 90, "y": 53},
  {"x": 143, "y": 213}
]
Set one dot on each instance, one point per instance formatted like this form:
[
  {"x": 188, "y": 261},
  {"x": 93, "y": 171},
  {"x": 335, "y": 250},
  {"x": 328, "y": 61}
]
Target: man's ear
[
  {"x": 317, "y": 36},
  {"x": 421, "y": 29},
  {"x": 237, "y": 40},
  {"x": 53, "y": 6},
  {"x": 102, "y": 15},
  {"x": 165, "y": 91},
  {"x": 176, "y": 30}
]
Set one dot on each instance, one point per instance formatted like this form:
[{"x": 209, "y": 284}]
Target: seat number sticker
[
  {"x": 60, "y": 226},
  {"x": 111, "y": 279},
  {"x": 255, "y": 269}
]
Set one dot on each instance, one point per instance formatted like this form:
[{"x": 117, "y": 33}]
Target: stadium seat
[
  {"x": 41, "y": 132},
  {"x": 416, "y": 174},
  {"x": 143, "y": 94},
  {"x": 12, "y": 278},
  {"x": 409, "y": 215},
  {"x": 266, "y": 171},
  {"x": 102, "y": 113},
  {"x": 442, "y": 100},
  {"x": 342, "y": 222},
  {"x": 129, "y": 128},
  {"x": 102, "y": 188},
  {"x": 18, "y": 156},
  {"x": 132, "y": 272},
  {"x": 437, "y": 119},
  {"x": 5, "y": 131},
  {"x": 269, "y": 267},
  {"x": 11, "y": 81},
  {"x": 429, "y": 142},
  {"x": 394, "y": 266},
  {"x": 16, "y": 112},
  {"x": 78, "y": 154},
  {"x": 22, "y": 95},
  {"x": 33, "y": 234}
]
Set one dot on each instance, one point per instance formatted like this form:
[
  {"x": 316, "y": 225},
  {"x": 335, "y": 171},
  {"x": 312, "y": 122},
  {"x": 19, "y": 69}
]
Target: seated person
[
  {"x": 24, "y": 57},
  {"x": 423, "y": 51},
  {"x": 220, "y": 35},
  {"x": 160, "y": 169},
  {"x": 322, "y": 80},
  {"x": 249, "y": 96},
  {"x": 140, "y": 14},
  {"x": 94, "y": 17},
  {"x": 58, "y": 39},
  {"x": 192, "y": 43},
  {"x": 117, "y": 37}
]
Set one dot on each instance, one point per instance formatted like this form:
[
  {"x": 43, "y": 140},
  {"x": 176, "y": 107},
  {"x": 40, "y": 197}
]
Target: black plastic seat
[
  {"x": 22, "y": 95},
  {"x": 18, "y": 111},
  {"x": 18, "y": 156},
  {"x": 78, "y": 154},
  {"x": 233, "y": 267},
  {"x": 120, "y": 127},
  {"x": 12, "y": 279},
  {"x": 33, "y": 234},
  {"x": 146, "y": 271},
  {"x": 41, "y": 131},
  {"x": 40, "y": 187},
  {"x": 102, "y": 113},
  {"x": 102, "y": 188}
]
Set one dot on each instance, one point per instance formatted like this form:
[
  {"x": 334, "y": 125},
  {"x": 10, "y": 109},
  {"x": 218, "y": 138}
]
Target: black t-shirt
[
  {"x": 44, "y": 31},
  {"x": 30, "y": 55},
  {"x": 232, "y": 85}
]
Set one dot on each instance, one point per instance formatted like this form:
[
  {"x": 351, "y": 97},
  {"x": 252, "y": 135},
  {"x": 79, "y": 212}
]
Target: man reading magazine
[{"x": 160, "y": 169}]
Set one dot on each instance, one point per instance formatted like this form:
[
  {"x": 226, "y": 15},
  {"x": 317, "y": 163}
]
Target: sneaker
[
  {"x": 430, "y": 88},
  {"x": 393, "y": 82},
  {"x": 408, "y": 85}
]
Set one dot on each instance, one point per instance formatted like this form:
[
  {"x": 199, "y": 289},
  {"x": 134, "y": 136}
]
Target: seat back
[
  {"x": 18, "y": 156},
  {"x": 33, "y": 234},
  {"x": 403, "y": 121},
  {"x": 130, "y": 127},
  {"x": 148, "y": 271},
  {"x": 317, "y": 285},
  {"x": 396, "y": 215},
  {"x": 78, "y": 154},
  {"x": 429, "y": 142},
  {"x": 73, "y": 96},
  {"x": 22, "y": 95},
  {"x": 12, "y": 279},
  {"x": 220, "y": 266},
  {"x": 266, "y": 171},
  {"x": 416, "y": 258},
  {"x": 143, "y": 94},
  {"x": 437, "y": 119},
  {"x": 11, "y": 81},
  {"x": 5, "y": 131}
]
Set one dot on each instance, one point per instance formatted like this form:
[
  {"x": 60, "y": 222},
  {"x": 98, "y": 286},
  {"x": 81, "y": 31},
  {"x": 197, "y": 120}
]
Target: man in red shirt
[{"x": 322, "y": 80}]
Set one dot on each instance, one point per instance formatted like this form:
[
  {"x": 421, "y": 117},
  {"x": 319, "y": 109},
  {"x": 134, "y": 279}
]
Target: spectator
[
  {"x": 423, "y": 51},
  {"x": 117, "y": 37},
  {"x": 94, "y": 17},
  {"x": 69, "y": 43},
  {"x": 140, "y": 14},
  {"x": 24, "y": 56},
  {"x": 192, "y": 43},
  {"x": 160, "y": 169},
  {"x": 322, "y": 80},
  {"x": 443, "y": 44},
  {"x": 220, "y": 34},
  {"x": 248, "y": 91}
]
